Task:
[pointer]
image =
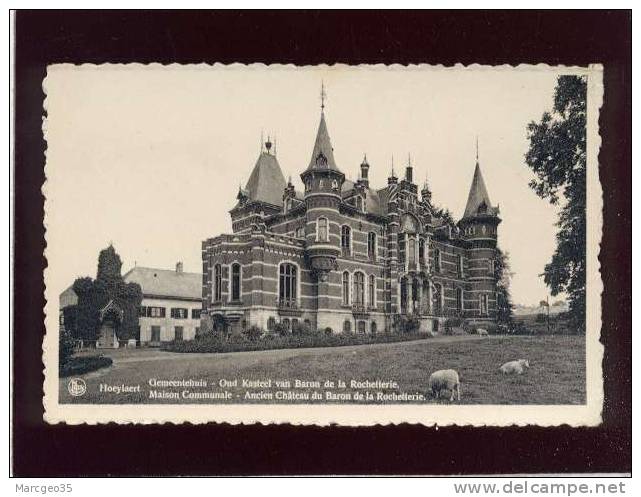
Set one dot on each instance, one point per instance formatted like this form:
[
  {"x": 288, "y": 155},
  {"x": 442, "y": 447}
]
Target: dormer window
[
  {"x": 308, "y": 185},
  {"x": 334, "y": 185},
  {"x": 321, "y": 160}
]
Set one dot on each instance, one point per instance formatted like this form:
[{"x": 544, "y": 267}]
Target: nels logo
[{"x": 77, "y": 387}]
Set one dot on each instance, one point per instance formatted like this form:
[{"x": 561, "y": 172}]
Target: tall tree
[
  {"x": 503, "y": 276},
  {"x": 557, "y": 155}
]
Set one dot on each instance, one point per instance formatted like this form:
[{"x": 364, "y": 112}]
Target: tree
[
  {"x": 557, "y": 155},
  {"x": 109, "y": 285},
  {"x": 504, "y": 306}
]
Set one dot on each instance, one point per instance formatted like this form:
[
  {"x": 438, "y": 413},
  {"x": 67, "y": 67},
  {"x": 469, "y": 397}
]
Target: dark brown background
[{"x": 312, "y": 37}]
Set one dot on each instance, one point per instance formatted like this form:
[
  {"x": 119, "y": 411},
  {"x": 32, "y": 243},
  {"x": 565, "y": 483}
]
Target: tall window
[
  {"x": 373, "y": 327},
  {"x": 347, "y": 326},
  {"x": 490, "y": 267},
  {"x": 362, "y": 326},
  {"x": 359, "y": 289},
  {"x": 459, "y": 265},
  {"x": 288, "y": 285},
  {"x": 346, "y": 240},
  {"x": 411, "y": 250},
  {"x": 421, "y": 250},
  {"x": 323, "y": 235},
  {"x": 401, "y": 247},
  {"x": 459, "y": 299},
  {"x": 372, "y": 291},
  {"x": 235, "y": 281},
  {"x": 483, "y": 304},
  {"x": 218, "y": 283},
  {"x": 437, "y": 260},
  {"x": 438, "y": 296},
  {"x": 345, "y": 288},
  {"x": 371, "y": 245}
]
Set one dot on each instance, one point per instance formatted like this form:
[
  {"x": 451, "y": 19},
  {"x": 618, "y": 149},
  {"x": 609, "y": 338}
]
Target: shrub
[
  {"x": 408, "y": 324},
  {"x": 541, "y": 318},
  {"x": 281, "y": 329},
  {"x": 65, "y": 347},
  {"x": 253, "y": 333},
  {"x": 301, "y": 329},
  {"x": 84, "y": 364},
  {"x": 329, "y": 331}
]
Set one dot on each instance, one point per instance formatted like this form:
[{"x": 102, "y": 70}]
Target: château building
[{"x": 348, "y": 255}]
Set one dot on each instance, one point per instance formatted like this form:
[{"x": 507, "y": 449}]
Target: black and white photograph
[{"x": 345, "y": 236}]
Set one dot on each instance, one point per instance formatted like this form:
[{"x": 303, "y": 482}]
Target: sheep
[
  {"x": 481, "y": 332},
  {"x": 445, "y": 379},
  {"x": 515, "y": 367}
]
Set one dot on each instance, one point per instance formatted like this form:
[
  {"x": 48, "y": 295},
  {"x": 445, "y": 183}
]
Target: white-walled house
[{"x": 171, "y": 303}]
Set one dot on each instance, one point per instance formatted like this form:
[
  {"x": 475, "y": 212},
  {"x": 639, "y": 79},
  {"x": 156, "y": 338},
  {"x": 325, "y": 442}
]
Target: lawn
[{"x": 556, "y": 374}]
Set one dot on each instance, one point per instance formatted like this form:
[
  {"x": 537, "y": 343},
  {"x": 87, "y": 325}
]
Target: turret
[
  {"x": 479, "y": 226},
  {"x": 323, "y": 184},
  {"x": 364, "y": 179}
]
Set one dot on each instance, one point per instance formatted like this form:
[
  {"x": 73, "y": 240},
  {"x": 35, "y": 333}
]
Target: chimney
[
  {"x": 179, "y": 267},
  {"x": 365, "y": 171}
]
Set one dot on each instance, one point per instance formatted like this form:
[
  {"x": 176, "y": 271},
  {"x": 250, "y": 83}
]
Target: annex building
[
  {"x": 348, "y": 255},
  {"x": 170, "y": 308}
]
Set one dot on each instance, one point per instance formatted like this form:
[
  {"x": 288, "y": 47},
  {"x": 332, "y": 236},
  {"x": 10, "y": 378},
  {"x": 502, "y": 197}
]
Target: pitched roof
[
  {"x": 478, "y": 195},
  {"x": 266, "y": 182},
  {"x": 323, "y": 145},
  {"x": 375, "y": 200},
  {"x": 166, "y": 282}
]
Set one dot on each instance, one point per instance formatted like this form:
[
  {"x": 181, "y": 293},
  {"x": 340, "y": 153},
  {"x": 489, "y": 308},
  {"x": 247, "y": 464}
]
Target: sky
[{"x": 150, "y": 158}]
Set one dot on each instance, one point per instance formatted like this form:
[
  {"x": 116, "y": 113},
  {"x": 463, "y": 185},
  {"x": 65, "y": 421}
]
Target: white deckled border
[{"x": 365, "y": 414}]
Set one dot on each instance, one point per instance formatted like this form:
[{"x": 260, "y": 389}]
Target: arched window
[
  {"x": 347, "y": 326},
  {"x": 371, "y": 245},
  {"x": 490, "y": 267},
  {"x": 411, "y": 250},
  {"x": 459, "y": 265},
  {"x": 218, "y": 283},
  {"x": 271, "y": 324},
  {"x": 288, "y": 285},
  {"x": 373, "y": 328},
  {"x": 345, "y": 288},
  {"x": 421, "y": 250},
  {"x": 334, "y": 185},
  {"x": 286, "y": 324},
  {"x": 437, "y": 261},
  {"x": 346, "y": 240},
  {"x": 235, "y": 281},
  {"x": 322, "y": 234},
  {"x": 362, "y": 327},
  {"x": 401, "y": 248},
  {"x": 359, "y": 289},
  {"x": 372, "y": 291},
  {"x": 459, "y": 299}
]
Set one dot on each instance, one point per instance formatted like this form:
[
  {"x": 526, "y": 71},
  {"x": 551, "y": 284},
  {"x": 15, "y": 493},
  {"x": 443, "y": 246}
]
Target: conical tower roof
[
  {"x": 322, "y": 146},
  {"x": 266, "y": 182},
  {"x": 478, "y": 195}
]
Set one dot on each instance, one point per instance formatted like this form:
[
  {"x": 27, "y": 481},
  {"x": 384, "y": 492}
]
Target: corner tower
[
  {"x": 323, "y": 184},
  {"x": 479, "y": 226}
]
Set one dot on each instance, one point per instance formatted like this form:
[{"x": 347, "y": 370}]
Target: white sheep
[
  {"x": 445, "y": 379},
  {"x": 481, "y": 332},
  {"x": 515, "y": 367}
]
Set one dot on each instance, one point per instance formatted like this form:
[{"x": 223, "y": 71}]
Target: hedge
[{"x": 218, "y": 344}]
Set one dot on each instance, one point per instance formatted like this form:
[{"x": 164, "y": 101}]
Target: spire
[
  {"x": 266, "y": 181},
  {"x": 478, "y": 195},
  {"x": 323, "y": 153}
]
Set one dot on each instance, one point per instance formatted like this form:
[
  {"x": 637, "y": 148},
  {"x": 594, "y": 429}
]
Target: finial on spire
[
  {"x": 392, "y": 165},
  {"x": 323, "y": 95},
  {"x": 409, "y": 159},
  {"x": 268, "y": 144},
  {"x": 262, "y": 141},
  {"x": 477, "y": 149}
]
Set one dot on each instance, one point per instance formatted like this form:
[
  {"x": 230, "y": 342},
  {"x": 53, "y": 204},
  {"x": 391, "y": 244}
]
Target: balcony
[
  {"x": 288, "y": 307},
  {"x": 360, "y": 310}
]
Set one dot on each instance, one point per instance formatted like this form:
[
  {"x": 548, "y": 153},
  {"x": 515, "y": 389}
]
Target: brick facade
[{"x": 344, "y": 256}]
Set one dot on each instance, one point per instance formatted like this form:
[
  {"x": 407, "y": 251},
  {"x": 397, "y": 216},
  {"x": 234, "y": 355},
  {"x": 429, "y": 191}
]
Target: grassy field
[{"x": 556, "y": 374}]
